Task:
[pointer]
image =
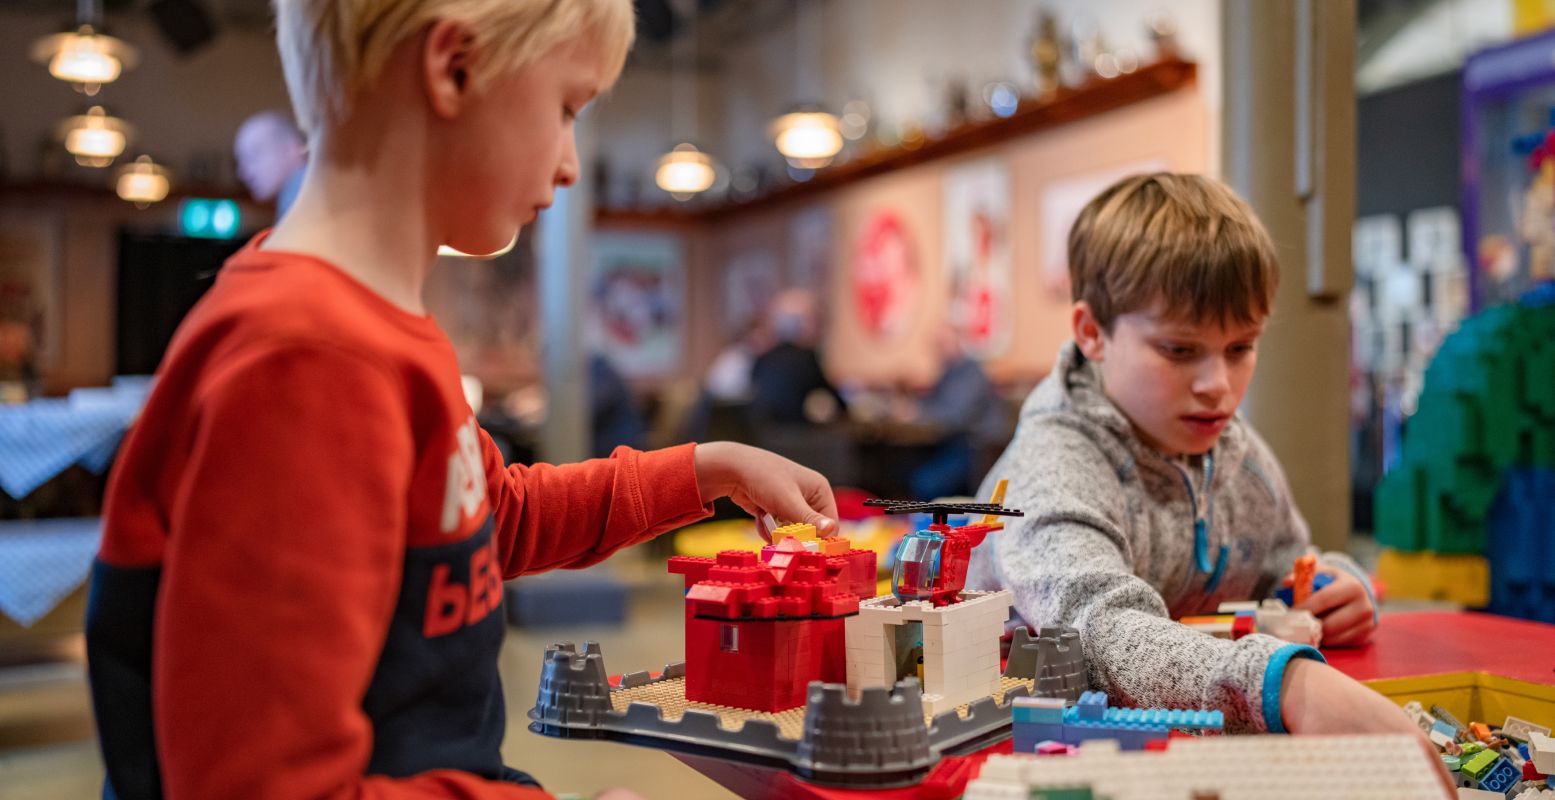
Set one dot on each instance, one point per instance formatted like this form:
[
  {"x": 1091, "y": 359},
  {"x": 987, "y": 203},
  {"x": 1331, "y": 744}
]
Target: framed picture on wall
[
  {"x": 886, "y": 275},
  {"x": 1062, "y": 201},
  {"x": 637, "y": 299},
  {"x": 30, "y": 310},
  {"x": 977, "y": 256}
]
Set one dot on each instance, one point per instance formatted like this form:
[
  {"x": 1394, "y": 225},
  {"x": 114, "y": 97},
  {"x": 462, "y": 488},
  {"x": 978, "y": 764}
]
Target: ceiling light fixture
[
  {"x": 808, "y": 136},
  {"x": 685, "y": 171},
  {"x": 95, "y": 138},
  {"x": 85, "y": 57},
  {"x": 142, "y": 182}
]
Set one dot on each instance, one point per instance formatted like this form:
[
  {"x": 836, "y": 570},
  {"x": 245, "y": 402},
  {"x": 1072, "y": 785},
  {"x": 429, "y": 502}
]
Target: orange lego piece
[{"x": 1306, "y": 569}]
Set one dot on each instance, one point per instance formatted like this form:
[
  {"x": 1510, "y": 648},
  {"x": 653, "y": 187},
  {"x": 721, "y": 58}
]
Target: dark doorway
[{"x": 160, "y": 278}]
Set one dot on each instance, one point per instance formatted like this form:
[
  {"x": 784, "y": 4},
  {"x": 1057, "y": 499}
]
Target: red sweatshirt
[{"x": 299, "y": 589}]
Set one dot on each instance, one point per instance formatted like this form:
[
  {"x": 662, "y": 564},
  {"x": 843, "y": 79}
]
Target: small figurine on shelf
[
  {"x": 1046, "y": 52},
  {"x": 1163, "y": 32}
]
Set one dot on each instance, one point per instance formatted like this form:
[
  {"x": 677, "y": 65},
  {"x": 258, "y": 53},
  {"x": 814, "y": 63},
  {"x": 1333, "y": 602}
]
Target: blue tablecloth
[
  {"x": 40, "y": 438},
  {"x": 42, "y": 562}
]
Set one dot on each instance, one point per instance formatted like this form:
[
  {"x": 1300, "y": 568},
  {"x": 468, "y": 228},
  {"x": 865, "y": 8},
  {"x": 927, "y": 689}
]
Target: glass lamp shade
[
  {"x": 685, "y": 171},
  {"x": 84, "y": 57},
  {"x": 808, "y": 139},
  {"x": 95, "y": 138},
  {"x": 143, "y": 182}
]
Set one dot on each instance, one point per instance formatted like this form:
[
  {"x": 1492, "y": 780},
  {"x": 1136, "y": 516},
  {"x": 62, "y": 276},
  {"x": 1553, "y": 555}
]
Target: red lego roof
[{"x": 794, "y": 583}]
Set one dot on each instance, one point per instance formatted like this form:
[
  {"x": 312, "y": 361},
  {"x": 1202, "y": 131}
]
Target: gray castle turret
[{"x": 1054, "y": 659}]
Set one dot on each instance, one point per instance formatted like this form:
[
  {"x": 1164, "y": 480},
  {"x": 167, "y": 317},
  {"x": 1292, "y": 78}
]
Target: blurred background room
[{"x": 835, "y": 229}]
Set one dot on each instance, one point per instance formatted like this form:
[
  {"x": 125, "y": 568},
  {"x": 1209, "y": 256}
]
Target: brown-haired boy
[
  {"x": 1147, "y": 498},
  {"x": 299, "y": 589}
]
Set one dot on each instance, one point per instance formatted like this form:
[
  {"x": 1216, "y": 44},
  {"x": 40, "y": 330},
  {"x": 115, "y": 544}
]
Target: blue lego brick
[
  {"x": 1092, "y": 707},
  {"x": 1501, "y": 777},
  {"x": 1288, "y": 594},
  {"x": 1091, "y": 718},
  {"x": 1036, "y": 719},
  {"x": 1445, "y": 729},
  {"x": 1522, "y": 558},
  {"x": 1093, "y": 710}
]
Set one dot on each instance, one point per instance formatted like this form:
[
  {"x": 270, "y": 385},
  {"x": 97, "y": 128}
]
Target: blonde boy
[
  {"x": 1146, "y": 497},
  {"x": 299, "y": 588}
]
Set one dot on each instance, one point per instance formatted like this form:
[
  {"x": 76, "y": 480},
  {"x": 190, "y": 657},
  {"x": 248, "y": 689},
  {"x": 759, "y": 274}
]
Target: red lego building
[{"x": 759, "y": 629}]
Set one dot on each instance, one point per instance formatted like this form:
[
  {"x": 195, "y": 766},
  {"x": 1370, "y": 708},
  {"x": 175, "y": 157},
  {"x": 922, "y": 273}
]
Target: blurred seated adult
[
  {"x": 965, "y": 404},
  {"x": 616, "y": 417},
  {"x": 729, "y": 377},
  {"x": 272, "y": 156},
  {"x": 787, "y": 383}
]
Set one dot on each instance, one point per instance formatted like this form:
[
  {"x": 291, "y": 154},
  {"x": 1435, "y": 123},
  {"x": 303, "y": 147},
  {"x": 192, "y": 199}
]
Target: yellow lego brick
[
  {"x": 835, "y": 546},
  {"x": 803, "y": 531},
  {"x": 1463, "y": 579}
]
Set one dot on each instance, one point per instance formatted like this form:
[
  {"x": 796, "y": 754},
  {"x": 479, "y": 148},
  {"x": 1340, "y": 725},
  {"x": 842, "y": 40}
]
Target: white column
[
  {"x": 563, "y": 266},
  {"x": 1288, "y": 146}
]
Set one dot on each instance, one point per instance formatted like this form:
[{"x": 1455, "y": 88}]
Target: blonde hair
[
  {"x": 1183, "y": 243},
  {"x": 332, "y": 48}
]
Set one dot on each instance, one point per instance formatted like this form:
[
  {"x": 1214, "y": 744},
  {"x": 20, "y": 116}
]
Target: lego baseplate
[
  {"x": 883, "y": 739},
  {"x": 1386, "y": 767}
]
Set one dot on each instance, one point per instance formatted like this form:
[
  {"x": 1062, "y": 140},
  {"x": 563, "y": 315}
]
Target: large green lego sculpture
[{"x": 1487, "y": 409}]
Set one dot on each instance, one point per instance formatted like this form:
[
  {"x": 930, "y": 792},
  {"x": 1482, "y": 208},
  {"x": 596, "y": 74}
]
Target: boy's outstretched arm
[
  {"x": 1070, "y": 562},
  {"x": 280, "y": 584},
  {"x": 573, "y": 515}
]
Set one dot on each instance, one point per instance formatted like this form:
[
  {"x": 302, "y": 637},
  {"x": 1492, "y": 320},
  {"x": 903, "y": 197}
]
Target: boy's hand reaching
[
  {"x": 1343, "y": 607},
  {"x": 1317, "y": 699},
  {"x": 766, "y": 485}
]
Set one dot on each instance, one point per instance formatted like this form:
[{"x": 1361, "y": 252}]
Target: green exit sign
[{"x": 209, "y": 219}]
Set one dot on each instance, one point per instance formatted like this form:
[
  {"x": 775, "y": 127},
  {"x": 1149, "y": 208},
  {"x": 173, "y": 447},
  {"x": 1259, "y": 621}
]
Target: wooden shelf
[{"x": 1066, "y": 106}]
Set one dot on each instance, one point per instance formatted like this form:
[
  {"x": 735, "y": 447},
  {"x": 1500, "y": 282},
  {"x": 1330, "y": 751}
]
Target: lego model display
[
  {"x": 1465, "y": 515},
  {"x": 791, "y": 662}
]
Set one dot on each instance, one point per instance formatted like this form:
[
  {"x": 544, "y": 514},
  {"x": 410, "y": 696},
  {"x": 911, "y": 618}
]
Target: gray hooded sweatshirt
[{"x": 1119, "y": 539}]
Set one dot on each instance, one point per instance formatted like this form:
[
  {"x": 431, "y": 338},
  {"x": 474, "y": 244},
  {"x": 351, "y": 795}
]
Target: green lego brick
[
  {"x": 1397, "y": 512},
  {"x": 1480, "y": 763}
]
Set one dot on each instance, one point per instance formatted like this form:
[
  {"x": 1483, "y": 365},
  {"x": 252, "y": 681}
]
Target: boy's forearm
[
  {"x": 574, "y": 515},
  {"x": 1150, "y": 661},
  {"x": 1134, "y": 651}
]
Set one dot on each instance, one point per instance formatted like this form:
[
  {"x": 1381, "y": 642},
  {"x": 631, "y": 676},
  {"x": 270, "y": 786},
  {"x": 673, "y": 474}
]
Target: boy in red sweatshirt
[{"x": 300, "y": 583}]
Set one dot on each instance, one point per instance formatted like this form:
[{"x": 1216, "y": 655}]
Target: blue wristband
[{"x": 1274, "y": 676}]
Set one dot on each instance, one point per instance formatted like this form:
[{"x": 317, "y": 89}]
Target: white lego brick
[
  {"x": 1520, "y": 729},
  {"x": 1234, "y": 607},
  {"x": 1541, "y": 751},
  {"x": 1465, "y": 793},
  {"x": 1438, "y": 738}
]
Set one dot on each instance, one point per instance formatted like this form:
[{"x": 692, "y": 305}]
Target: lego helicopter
[{"x": 931, "y": 564}]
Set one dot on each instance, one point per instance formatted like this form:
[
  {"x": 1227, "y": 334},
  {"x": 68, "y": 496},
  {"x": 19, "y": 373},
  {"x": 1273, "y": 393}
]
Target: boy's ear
[
  {"x": 1088, "y": 333},
  {"x": 446, "y": 57}
]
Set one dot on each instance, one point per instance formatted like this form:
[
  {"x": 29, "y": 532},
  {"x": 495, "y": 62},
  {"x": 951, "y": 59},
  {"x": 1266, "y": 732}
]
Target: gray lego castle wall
[
  {"x": 879, "y": 741},
  {"x": 1054, "y": 658},
  {"x": 883, "y": 732}
]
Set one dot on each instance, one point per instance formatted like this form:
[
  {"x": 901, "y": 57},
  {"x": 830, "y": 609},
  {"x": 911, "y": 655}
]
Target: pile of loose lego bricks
[{"x": 1512, "y": 762}]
